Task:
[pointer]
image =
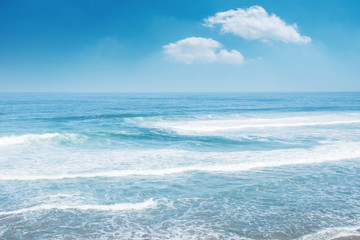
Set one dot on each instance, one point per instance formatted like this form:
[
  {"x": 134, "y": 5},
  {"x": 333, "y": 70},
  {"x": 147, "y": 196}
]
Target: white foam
[
  {"x": 114, "y": 207},
  {"x": 11, "y": 140},
  {"x": 331, "y": 233},
  {"x": 222, "y": 162},
  {"x": 236, "y": 123}
]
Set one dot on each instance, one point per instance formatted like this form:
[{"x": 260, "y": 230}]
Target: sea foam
[
  {"x": 235, "y": 162},
  {"x": 150, "y": 203},
  {"x": 334, "y": 233},
  {"x": 237, "y": 123},
  {"x": 27, "y": 138}
]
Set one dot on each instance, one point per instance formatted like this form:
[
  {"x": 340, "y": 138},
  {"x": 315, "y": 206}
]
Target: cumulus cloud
[
  {"x": 198, "y": 49},
  {"x": 255, "y": 23}
]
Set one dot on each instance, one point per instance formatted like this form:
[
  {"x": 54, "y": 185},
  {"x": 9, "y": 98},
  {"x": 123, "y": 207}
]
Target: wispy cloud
[
  {"x": 255, "y": 23},
  {"x": 198, "y": 49}
]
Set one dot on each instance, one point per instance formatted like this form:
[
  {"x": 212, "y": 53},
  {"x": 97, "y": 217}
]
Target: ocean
[{"x": 180, "y": 166}]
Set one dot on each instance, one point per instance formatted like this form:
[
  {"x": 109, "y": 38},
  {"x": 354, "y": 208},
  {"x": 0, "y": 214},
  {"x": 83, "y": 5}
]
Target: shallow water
[{"x": 180, "y": 166}]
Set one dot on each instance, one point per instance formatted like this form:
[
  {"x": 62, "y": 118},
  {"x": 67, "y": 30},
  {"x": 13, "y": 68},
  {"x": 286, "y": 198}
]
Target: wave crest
[
  {"x": 340, "y": 233},
  {"x": 150, "y": 203},
  {"x": 237, "y": 123},
  {"x": 253, "y": 160},
  {"x": 28, "y": 138}
]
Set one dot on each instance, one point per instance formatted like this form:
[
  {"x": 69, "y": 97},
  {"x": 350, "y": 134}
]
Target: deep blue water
[{"x": 179, "y": 166}]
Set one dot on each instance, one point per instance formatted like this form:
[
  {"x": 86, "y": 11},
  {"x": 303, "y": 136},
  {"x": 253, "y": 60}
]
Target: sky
[{"x": 179, "y": 46}]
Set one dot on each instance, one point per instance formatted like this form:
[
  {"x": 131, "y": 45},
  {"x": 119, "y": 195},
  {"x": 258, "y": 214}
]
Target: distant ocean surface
[{"x": 180, "y": 166}]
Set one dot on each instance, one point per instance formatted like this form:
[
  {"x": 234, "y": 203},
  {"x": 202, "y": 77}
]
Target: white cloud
[
  {"x": 197, "y": 49},
  {"x": 256, "y": 23}
]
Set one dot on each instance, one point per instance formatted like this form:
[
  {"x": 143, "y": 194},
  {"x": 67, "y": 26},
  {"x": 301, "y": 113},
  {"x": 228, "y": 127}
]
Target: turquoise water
[{"x": 179, "y": 166}]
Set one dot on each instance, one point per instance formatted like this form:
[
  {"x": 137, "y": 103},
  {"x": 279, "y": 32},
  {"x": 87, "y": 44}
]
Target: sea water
[{"x": 179, "y": 166}]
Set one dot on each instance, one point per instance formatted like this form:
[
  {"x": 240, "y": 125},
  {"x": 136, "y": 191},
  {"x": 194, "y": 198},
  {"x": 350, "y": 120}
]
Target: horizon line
[{"x": 164, "y": 92}]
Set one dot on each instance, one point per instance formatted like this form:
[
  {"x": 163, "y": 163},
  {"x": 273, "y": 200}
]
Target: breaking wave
[
  {"x": 235, "y": 123},
  {"x": 237, "y": 161},
  {"x": 340, "y": 233},
  {"x": 87, "y": 207},
  {"x": 30, "y": 138}
]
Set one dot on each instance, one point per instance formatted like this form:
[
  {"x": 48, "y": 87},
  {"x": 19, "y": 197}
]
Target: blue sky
[{"x": 179, "y": 46}]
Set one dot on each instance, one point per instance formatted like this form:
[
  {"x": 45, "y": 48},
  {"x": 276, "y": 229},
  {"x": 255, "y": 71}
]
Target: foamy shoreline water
[
  {"x": 113, "y": 207},
  {"x": 222, "y": 166},
  {"x": 237, "y": 162}
]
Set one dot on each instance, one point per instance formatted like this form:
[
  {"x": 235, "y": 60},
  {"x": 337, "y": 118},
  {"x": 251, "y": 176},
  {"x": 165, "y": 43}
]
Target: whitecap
[
  {"x": 334, "y": 233},
  {"x": 244, "y": 123},
  {"x": 28, "y": 138},
  {"x": 150, "y": 203},
  {"x": 224, "y": 162}
]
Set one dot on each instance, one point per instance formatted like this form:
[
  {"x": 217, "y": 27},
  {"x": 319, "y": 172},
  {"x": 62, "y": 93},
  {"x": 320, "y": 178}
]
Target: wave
[
  {"x": 239, "y": 161},
  {"x": 96, "y": 116},
  {"x": 12, "y": 140},
  {"x": 214, "y": 125},
  {"x": 340, "y": 233},
  {"x": 150, "y": 203}
]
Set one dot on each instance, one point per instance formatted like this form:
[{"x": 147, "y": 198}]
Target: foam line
[
  {"x": 236, "y": 161},
  {"x": 114, "y": 207},
  {"x": 225, "y": 125},
  {"x": 11, "y": 140},
  {"x": 162, "y": 172},
  {"x": 334, "y": 233}
]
